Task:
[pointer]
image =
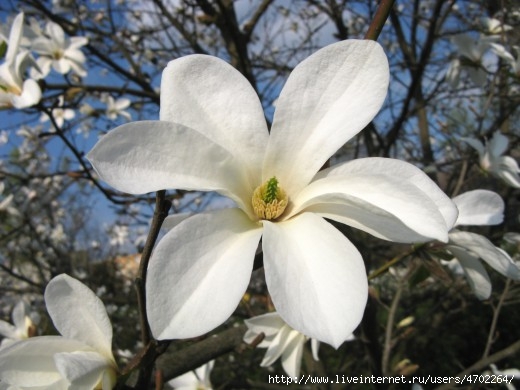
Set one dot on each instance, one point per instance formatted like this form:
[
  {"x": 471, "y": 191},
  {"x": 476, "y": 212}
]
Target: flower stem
[
  {"x": 379, "y": 19},
  {"x": 162, "y": 206}
]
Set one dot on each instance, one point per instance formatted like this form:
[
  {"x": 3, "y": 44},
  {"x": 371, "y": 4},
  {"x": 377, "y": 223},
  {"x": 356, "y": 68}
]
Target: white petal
[
  {"x": 78, "y": 313},
  {"x": 269, "y": 324},
  {"x": 7, "y": 330},
  {"x": 198, "y": 273},
  {"x": 390, "y": 199},
  {"x": 498, "y": 144},
  {"x": 19, "y": 316},
  {"x": 475, "y": 144},
  {"x": 315, "y": 276},
  {"x": 31, "y": 95},
  {"x": 186, "y": 381},
  {"x": 292, "y": 355},
  {"x": 483, "y": 248},
  {"x": 479, "y": 207},
  {"x": 15, "y": 35},
  {"x": 61, "y": 65},
  {"x": 141, "y": 157},
  {"x": 31, "y": 362},
  {"x": 508, "y": 171},
  {"x": 174, "y": 219},
  {"x": 315, "y": 346},
  {"x": 328, "y": 98},
  {"x": 281, "y": 341},
  {"x": 56, "y": 33},
  {"x": 83, "y": 369},
  {"x": 476, "y": 274},
  {"x": 210, "y": 96}
]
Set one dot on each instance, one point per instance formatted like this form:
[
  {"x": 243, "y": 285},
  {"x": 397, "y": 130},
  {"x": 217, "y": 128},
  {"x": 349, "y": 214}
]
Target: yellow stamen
[{"x": 269, "y": 200}]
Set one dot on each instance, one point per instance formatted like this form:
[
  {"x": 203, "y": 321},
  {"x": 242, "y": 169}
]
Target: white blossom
[
  {"x": 282, "y": 342},
  {"x": 81, "y": 358},
  {"x": 198, "y": 379},
  {"x": 479, "y": 208},
  {"x": 61, "y": 53},
  {"x": 14, "y": 90},
  {"x": 213, "y": 136},
  {"x": 492, "y": 160},
  {"x": 20, "y": 329}
]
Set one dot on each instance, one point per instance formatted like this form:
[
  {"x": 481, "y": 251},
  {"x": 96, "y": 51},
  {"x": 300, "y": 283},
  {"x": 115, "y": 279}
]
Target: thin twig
[
  {"x": 482, "y": 363},
  {"x": 496, "y": 313},
  {"x": 379, "y": 20},
  {"x": 389, "y": 328},
  {"x": 161, "y": 211}
]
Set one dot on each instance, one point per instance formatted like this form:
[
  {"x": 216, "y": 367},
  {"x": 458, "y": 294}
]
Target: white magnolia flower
[
  {"x": 6, "y": 203},
  {"x": 470, "y": 54},
  {"x": 117, "y": 107},
  {"x": 281, "y": 341},
  {"x": 14, "y": 91},
  {"x": 20, "y": 329},
  {"x": 492, "y": 159},
  {"x": 81, "y": 358},
  {"x": 494, "y": 26},
  {"x": 477, "y": 208},
  {"x": 61, "y": 53},
  {"x": 213, "y": 137},
  {"x": 118, "y": 235},
  {"x": 60, "y": 114},
  {"x": 198, "y": 379},
  {"x": 512, "y": 60}
]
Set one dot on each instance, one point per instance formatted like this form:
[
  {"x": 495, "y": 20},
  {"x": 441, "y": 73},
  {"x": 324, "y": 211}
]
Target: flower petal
[
  {"x": 498, "y": 144},
  {"x": 83, "y": 369},
  {"x": 328, "y": 98},
  {"x": 31, "y": 94},
  {"x": 141, "y": 157},
  {"x": 198, "y": 273},
  {"x": 292, "y": 354},
  {"x": 31, "y": 362},
  {"x": 8, "y": 331},
  {"x": 19, "y": 316},
  {"x": 207, "y": 94},
  {"x": 476, "y": 274},
  {"x": 279, "y": 344},
  {"x": 315, "y": 276},
  {"x": 15, "y": 35},
  {"x": 483, "y": 248},
  {"x": 479, "y": 207},
  {"x": 475, "y": 144},
  {"x": 388, "y": 198},
  {"x": 269, "y": 324},
  {"x": 78, "y": 313},
  {"x": 508, "y": 171}
]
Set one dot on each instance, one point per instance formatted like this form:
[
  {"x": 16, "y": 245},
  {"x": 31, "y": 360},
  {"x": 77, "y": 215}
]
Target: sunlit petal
[
  {"x": 78, "y": 313},
  {"x": 31, "y": 362},
  {"x": 207, "y": 94},
  {"x": 479, "y": 207},
  {"x": 328, "y": 98},
  {"x": 475, "y": 273},
  {"x": 480, "y": 246},
  {"x": 141, "y": 157},
  {"x": 398, "y": 202},
  {"x": 83, "y": 369},
  {"x": 199, "y": 272},
  {"x": 316, "y": 277}
]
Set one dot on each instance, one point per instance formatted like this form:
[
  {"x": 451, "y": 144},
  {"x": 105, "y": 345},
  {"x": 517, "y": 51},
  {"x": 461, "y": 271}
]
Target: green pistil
[{"x": 271, "y": 191}]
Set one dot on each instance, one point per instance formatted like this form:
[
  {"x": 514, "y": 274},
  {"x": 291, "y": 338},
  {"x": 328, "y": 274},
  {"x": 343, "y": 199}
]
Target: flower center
[
  {"x": 14, "y": 89},
  {"x": 269, "y": 200},
  {"x": 57, "y": 54}
]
